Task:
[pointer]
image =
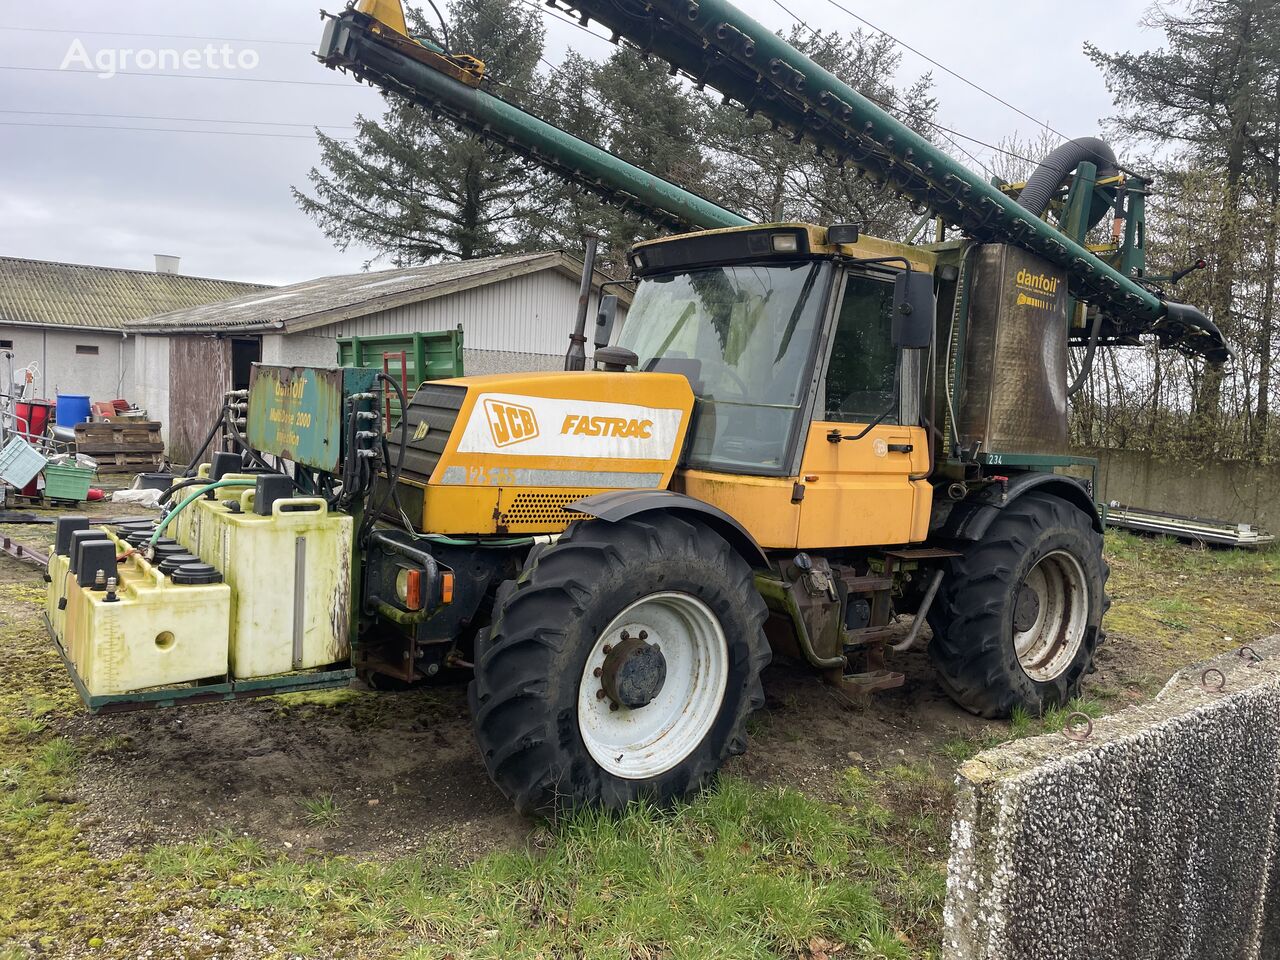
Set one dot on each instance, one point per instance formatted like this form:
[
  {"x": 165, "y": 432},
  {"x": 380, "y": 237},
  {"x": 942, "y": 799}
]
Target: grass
[
  {"x": 740, "y": 872},
  {"x": 1019, "y": 726},
  {"x": 321, "y": 811},
  {"x": 1184, "y": 603}
]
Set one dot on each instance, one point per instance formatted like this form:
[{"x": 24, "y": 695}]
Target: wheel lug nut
[
  {"x": 644, "y": 635},
  {"x": 625, "y": 635},
  {"x": 612, "y": 707},
  {"x": 600, "y": 694},
  {"x": 596, "y": 672},
  {"x": 608, "y": 646}
]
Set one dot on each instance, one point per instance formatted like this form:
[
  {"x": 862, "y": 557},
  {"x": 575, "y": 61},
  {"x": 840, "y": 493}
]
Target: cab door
[{"x": 857, "y": 478}]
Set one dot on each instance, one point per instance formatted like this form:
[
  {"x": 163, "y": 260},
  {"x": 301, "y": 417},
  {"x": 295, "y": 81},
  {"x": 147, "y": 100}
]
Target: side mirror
[
  {"x": 914, "y": 310},
  {"x": 605, "y": 318}
]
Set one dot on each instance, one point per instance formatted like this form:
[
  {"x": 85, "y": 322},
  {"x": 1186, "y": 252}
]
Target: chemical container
[
  {"x": 56, "y": 571},
  {"x": 154, "y": 633},
  {"x": 72, "y": 408},
  {"x": 194, "y": 526},
  {"x": 290, "y": 576}
]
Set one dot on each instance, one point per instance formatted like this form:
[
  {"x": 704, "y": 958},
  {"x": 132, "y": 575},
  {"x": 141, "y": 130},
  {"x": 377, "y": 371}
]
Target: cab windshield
[{"x": 744, "y": 336}]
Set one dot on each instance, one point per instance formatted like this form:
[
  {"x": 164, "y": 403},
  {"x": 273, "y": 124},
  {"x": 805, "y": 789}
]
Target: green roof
[{"x": 44, "y": 293}]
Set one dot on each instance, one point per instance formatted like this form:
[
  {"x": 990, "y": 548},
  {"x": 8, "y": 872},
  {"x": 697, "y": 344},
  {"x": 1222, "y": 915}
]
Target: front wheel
[
  {"x": 622, "y": 665},
  {"x": 1020, "y": 614}
]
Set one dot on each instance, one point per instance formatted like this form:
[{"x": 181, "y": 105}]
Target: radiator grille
[{"x": 541, "y": 510}]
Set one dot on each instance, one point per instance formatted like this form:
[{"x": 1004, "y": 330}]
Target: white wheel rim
[
  {"x": 650, "y": 740},
  {"x": 1050, "y": 644}
]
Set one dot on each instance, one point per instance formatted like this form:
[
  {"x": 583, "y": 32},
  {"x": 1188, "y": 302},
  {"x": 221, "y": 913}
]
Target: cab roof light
[{"x": 785, "y": 243}]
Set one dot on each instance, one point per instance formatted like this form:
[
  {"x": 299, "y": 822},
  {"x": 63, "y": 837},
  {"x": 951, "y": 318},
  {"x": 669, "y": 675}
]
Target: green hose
[{"x": 192, "y": 499}]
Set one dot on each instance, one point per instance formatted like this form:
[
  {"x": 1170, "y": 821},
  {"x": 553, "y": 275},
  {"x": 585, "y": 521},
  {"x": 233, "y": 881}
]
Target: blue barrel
[{"x": 72, "y": 409}]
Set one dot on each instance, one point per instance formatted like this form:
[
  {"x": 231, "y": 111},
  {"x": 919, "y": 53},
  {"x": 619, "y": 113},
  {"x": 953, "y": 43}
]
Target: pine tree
[
  {"x": 764, "y": 175},
  {"x": 415, "y": 189},
  {"x": 1208, "y": 101}
]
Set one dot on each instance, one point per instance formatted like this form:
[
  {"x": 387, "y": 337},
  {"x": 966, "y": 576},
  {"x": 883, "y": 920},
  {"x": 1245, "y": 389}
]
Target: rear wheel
[
  {"x": 622, "y": 665},
  {"x": 1020, "y": 614}
]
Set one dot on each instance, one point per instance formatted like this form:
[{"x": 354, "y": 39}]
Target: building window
[
  {"x": 86, "y": 349},
  {"x": 6, "y": 344}
]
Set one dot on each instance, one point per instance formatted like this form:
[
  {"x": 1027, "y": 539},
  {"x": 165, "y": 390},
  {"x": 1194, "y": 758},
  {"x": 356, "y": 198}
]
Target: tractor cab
[{"x": 806, "y": 372}]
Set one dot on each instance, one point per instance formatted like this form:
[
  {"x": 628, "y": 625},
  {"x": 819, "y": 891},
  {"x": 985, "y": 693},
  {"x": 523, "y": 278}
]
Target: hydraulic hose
[
  {"x": 243, "y": 444},
  {"x": 393, "y": 477},
  {"x": 190, "y": 499},
  {"x": 1056, "y": 168},
  {"x": 1086, "y": 365},
  {"x": 180, "y": 485},
  {"x": 218, "y": 421}
]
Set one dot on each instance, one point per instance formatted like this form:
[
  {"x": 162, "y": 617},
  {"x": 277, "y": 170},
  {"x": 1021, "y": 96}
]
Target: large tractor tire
[
  {"x": 622, "y": 664},
  {"x": 1019, "y": 615}
]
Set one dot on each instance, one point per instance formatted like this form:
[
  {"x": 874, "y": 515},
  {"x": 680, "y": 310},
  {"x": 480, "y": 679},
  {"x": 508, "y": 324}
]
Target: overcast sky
[{"x": 220, "y": 199}]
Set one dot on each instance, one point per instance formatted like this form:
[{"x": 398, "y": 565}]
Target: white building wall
[
  {"x": 514, "y": 325},
  {"x": 310, "y": 348},
  {"x": 106, "y": 375},
  {"x": 151, "y": 378}
]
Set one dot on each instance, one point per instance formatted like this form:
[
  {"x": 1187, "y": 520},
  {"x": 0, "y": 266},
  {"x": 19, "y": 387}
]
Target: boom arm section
[
  {"x": 719, "y": 46},
  {"x": 452, "y": 86}
]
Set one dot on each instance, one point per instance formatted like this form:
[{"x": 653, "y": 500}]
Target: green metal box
[{"x": 299, "y": 412}]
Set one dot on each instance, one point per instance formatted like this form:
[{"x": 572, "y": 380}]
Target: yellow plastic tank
[
  {"x": 191, "y": 527},
  {"x": 57, "y": 574},
  {"x": 290, "y": 577},
  {"x": 155, "y": 633}
]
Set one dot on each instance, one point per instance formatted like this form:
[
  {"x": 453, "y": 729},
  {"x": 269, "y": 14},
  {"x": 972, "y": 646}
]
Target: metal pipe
[
  {"x": 576, "y": 358},
  {"x": 723, "y": 48},
  {"x": 921, "y": 613},
  {"x": 348, "y": 43}
]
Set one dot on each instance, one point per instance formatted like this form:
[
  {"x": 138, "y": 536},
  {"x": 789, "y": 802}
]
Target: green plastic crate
[{"x": 65, "y": 482}]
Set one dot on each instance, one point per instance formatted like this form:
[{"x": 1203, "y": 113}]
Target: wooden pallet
[
  {"x": 127, "y": 462},
  {"x": 123, "y": 435}
]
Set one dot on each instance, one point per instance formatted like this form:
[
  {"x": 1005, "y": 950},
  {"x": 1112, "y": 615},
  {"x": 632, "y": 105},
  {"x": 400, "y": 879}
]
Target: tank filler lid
[{"x": 196, "y": 573}]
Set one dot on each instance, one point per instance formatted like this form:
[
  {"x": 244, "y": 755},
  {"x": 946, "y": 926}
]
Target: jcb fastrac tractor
[{"x": 799, "y": 434}]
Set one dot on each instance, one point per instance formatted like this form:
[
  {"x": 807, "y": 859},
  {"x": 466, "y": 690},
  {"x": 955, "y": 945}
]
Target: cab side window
[{"x": 860, "y": 382}]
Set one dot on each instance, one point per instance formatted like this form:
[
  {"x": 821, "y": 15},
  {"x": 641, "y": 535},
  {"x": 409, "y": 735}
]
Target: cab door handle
[{"x": 901, "y": 447}]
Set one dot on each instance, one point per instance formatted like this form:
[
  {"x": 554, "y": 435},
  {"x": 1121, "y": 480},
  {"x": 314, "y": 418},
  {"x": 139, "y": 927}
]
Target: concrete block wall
[
  {"x": 1239, "y": 491},
  {"x": 1153, "y": 839}
]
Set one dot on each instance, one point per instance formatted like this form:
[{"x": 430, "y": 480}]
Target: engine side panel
[{"x": 522, "y": 446}]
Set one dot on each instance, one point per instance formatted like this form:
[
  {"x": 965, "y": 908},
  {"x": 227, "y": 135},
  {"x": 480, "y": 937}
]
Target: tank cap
[
  {"x": 196, "y": 573},
  {"x": 164, "y": 551},
  {"x": 171, "y": 563}
]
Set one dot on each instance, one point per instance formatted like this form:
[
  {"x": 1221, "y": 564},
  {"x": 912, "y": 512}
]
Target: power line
[
  {"x": 946, "y": 69},
  {"x": 181, "y": 76},
  {"x": 158, "y": 36},
  {"x": 143, "y": 116},
  {"x": 892, "y": 93},
  {"x": 224, "y": 133}
]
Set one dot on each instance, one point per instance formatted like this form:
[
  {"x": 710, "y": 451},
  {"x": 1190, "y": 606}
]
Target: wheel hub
[
  {"x": 668, "y": 699},
  {"x": 633, "y": 672},
  {"x": 1026, "y": 608}
]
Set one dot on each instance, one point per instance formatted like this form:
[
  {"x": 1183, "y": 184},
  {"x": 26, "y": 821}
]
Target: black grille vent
[{"x": 436, "y": 405}]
